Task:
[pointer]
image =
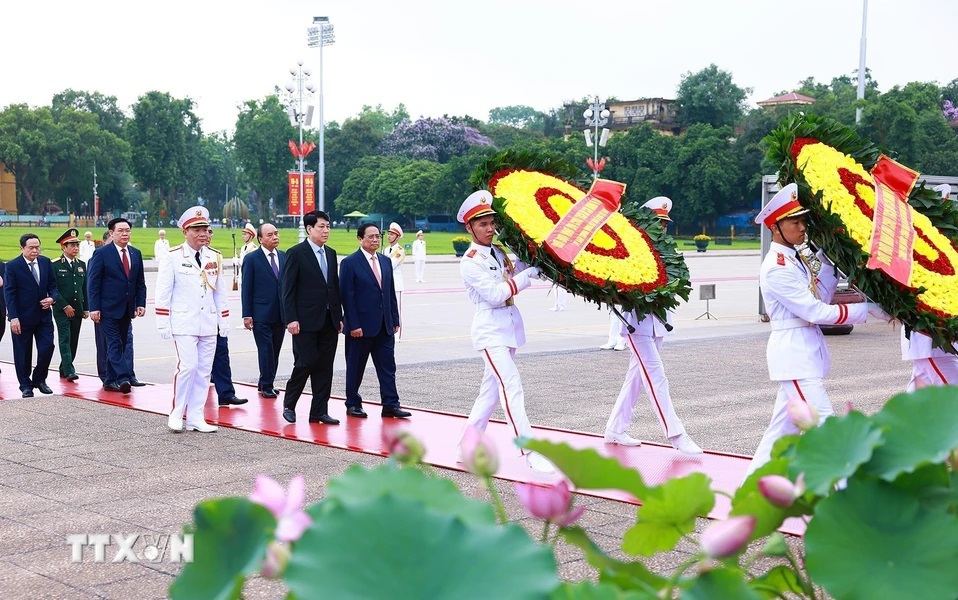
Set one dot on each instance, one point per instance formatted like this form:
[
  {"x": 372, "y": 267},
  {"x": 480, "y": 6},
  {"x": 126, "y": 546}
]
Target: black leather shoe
[
  {"x": 27, "y": 393},
  {"x": 137, "y": 383},
  {"x": 356, "y": 411},
  {"x": 234, "y": 401},
  {"x": 396, "y": 413},
  {"x": 43, "y": 387},
  {"x": 325, "y": 420},
  {"x": 267, "y": 393},
  {"x": 124, "y": 387},
  {"x": 289, "y": 415},
  {"x": 111, "y": 387},
  {"x": 72, "y": 377}
]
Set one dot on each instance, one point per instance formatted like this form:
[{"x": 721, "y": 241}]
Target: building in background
[{"x": 8, "y": 191}]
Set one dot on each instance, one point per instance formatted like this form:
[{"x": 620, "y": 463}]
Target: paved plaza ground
[{"x": 73, "y": 466}]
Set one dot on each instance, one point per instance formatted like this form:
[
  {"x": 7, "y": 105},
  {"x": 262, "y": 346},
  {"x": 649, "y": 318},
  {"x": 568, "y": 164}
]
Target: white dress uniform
[
  {"x": 86, "y": 250},
  {"x": 930, "y": 365},
  {"x": 397, "y": 256},
  {"x": 419, "y": 257},
  {"x": 497, "y": 331},
  {"x": 191, "y": 305},
  {"x": 796, "y": 302},
  {"x": 160, "y": 248}
]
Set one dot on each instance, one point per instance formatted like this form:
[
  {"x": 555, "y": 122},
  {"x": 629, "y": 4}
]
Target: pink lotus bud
[
  {"x": 849, "y": 407},
  {"x": 551, "y": 503},
  {"x": 802, "y": 414},
  {"x": 402, "y": 445},
  {"x": 729, "y": 537},
  {"x": 478, "y": 453},
  {"x": 286, "y": 505},
  {"x": 780, "y": 491},
  {"x": 277, "y": 557}
]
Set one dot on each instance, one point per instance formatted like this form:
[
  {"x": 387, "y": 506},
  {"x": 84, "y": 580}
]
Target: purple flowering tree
[
  {"x": 950, "y": 110},
  {"x": 432, "y": 139}
]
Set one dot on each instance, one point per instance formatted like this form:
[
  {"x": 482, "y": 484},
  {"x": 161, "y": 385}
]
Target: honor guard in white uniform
[
  {"x": 797, "y": 293},
  {"x": 249, "y": 241},
  {"x": 87, "y": 246},
  {"x": 646, "y": 370},
  {"x": 191, "y": 308},
  {"x": 397, "y": 256},
  {"x": 491, "y": 282},
  {"x": 419, "y": 257},
  {"x": 930, "y": 365}
]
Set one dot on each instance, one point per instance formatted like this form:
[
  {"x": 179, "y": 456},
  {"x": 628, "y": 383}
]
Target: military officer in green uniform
[{"x": 71, "y": 308}]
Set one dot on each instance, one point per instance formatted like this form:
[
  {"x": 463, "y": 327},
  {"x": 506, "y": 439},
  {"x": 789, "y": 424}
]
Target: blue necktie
[{"x": 272, "y": 263}]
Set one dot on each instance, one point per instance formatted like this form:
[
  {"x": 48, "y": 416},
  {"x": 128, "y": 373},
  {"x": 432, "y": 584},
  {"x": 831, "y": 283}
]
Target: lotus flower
[
  {"x": 551, "y": 503},
  {"x": 277, "y": 557},
  {"x": 802, "y": 414},
  {"x": 403, "y": 445},
  {"x": 727, "y": 538},
  {"x": 286, "y": 505},
  {"x": 780, "y": 491},
  {"x": 478, "y": 453}
]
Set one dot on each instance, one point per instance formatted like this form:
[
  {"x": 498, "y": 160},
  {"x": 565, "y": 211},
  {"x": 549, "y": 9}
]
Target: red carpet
[{"x": 438, "y": 431}]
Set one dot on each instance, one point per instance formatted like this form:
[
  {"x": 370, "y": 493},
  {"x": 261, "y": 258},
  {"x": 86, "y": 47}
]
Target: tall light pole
[
  {"x": 297, "y": 88},
  {"x": 861, "y": 62},
  {"x": 321, "y": 34},
  {"x": 596, "y": 116}
]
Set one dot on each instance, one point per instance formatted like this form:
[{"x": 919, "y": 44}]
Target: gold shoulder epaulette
[{"x": 176, "y": 248}]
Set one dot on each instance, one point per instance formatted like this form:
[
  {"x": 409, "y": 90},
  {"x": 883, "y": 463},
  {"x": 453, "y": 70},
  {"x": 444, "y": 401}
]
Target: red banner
[
  {"x": 309, "y": 192},
  {"x": 893, "y": 233},
  {"x": 577, "y": 227}
]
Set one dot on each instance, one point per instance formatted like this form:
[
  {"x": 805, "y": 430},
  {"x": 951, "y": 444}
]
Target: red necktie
[
  {"x": 126, "y": 262},
  {"x": 379, "y": 278}
]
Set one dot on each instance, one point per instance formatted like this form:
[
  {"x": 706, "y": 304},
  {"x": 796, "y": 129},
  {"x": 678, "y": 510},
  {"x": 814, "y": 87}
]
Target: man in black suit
[
  {"x": 116, "y": 290},
  {"x": 3, "y": 301},
  {"x": 30, "y": 289},
  {"x": 262, "y": 301},
  {"x": 313, "y": 316},
  {"x": 371, "y": 322}
]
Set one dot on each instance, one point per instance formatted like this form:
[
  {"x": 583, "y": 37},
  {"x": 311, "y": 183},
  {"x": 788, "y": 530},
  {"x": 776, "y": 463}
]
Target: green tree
[
  {"x": 710, "y": 96},
  {"x": 452, "y": 185},
  {"x": 355, "y": 194},
  {"x": 640, "y": 158},
  {"x": 518, "y": 116},
  {"x": 838, "y": 99},
  {"x": 164, "y": 137},
  {"x": 705, "y": 175},
  {"x": 262, "y": 140},
  {"x": 359, "y": 137},
  {"x": 216, "y": 170},
  {"x": 111, "y": 118},
  {"x": 403, "y": 189}
]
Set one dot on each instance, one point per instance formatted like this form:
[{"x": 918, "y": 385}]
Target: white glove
[
  {"x": 166, "y": 333},
  {"x": 876, "y": 312},
  {"x": 224, "y": 332},
  {"x": 532, "y": 272}
]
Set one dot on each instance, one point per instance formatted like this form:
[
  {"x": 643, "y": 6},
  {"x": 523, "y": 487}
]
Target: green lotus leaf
[
  {"x": 834, "y": 451},
  {"x": 586, "y": 590},
  {"x": 399, "y": 548},
  {"x": 725, "y": 583},
  {"x": 229, "y": 542},
  {"x": 873, "y": 541},
  {"x": 668, "y": 514},
  {"x": 777, "y": 581},
  {"x": 624, "y": 575},
  {"x": 589, "y": 470},
  {"x": 359, "y": 484},
  {"x": 920, "y": 428}
]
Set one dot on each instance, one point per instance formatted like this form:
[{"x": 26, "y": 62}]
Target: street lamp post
[
  {"x": 596, "y": 116},
  {"x": 297, "y": 88},
  {"x": 320, "y": 35}
]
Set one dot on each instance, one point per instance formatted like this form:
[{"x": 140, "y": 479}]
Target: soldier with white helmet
[
  {"x": 797, "y": 296},
  {"x": 397, "y": 256},
  {"x": 646, "y": 370},
  {"x": 492, "y": 281},
  {"x": 191, "y": 308}
]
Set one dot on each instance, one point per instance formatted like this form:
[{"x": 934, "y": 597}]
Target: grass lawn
[{"x": 343, "y": 241}]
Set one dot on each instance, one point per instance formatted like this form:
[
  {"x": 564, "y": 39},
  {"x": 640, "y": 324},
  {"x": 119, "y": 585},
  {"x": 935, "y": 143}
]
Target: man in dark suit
[
  {"x": 262, "y": 301},
  {"x": 313, "y": 316},
  {"x": 3, "y": 301},
  {"x": 70, "y": 308},
  {"x": 116, "y": 290},
  {"x": 371, "y": 321},
  {"x": 30, "y": 289},
  {"x": 222, "y": 373}
]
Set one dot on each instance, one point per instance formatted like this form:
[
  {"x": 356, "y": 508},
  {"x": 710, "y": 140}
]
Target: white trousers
[
  {"x": 645, "y": 371},
  {"x": 561, "y": 294},
  {"x": 191, "y": 383},
  {"x": 500, "y": 385},
  {"x": 811, "y": 391},
  {"x": 940, "y": 370},
  {"x": 615, "y": 330},
  {"x": 420, "y": 270}
]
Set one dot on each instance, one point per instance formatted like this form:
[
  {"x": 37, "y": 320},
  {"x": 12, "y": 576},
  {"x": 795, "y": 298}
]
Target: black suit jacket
[
  {"x": 109, "y": 290},
  {"x": 367, "y": 306},
  {"x": 3, "y": 297},
  {"x": 261, "y": 292},
  {"x": 306, "y": 295},
  {"x": 22, "y": 293}
]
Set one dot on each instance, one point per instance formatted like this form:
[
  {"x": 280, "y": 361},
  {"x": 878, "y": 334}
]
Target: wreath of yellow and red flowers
[
  {"x": 831, "y": 165},
  {"x": 631, "y": 261}
]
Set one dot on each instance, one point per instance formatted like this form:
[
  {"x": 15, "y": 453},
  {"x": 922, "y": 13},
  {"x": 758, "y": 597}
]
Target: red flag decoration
[
  {"x": 301, "y": 151},
  {"x": 294, "y": 149},
  {"x": 293, "y": 185},
  {"x": 893, "y": 234}
]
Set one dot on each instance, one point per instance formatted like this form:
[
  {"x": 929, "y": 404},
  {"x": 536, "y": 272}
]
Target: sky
[{"x": 451, "y": 57}]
